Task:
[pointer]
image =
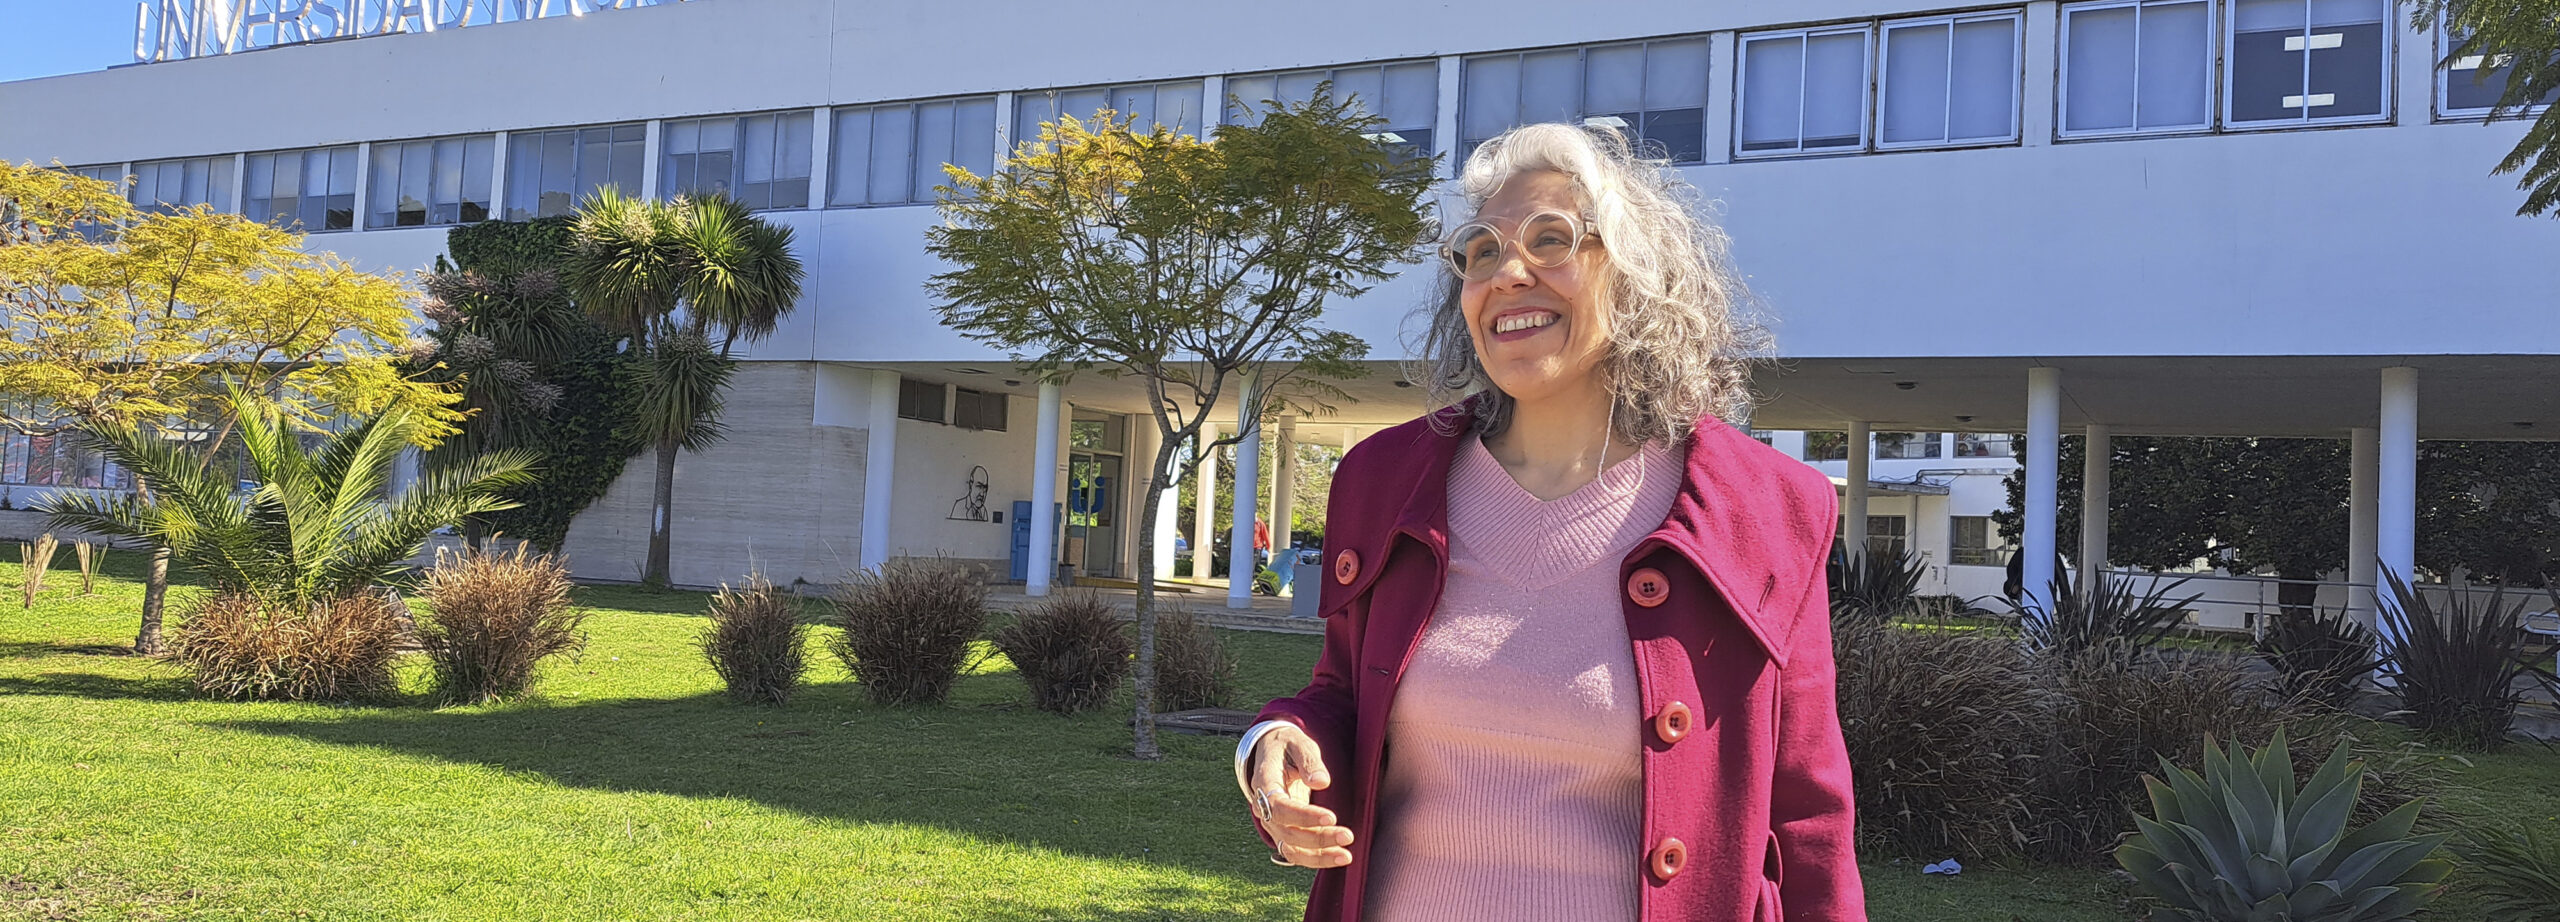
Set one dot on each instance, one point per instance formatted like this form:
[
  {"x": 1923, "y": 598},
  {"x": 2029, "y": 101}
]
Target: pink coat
[{"x": 1747, "y": 806}]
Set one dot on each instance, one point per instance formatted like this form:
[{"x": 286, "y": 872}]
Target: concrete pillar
[
  {"x": 2093, "y": 502},
  {"x": 2364, "y": 452},
  {"x": 1248, "y": 475},
  {"x": 2044, "y": 438},
  {"x": 1284, "y": 493},
  {"x": 2395, "y": 524},
  {"x": 1853, "y": 499},
  {"x": 1204, "y": 509},
  {"x": 1044, "y": 493},
  {"x": 879, "y": 467}
]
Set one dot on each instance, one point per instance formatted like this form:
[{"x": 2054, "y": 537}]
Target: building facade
[{"x": 2184, "y": 217}]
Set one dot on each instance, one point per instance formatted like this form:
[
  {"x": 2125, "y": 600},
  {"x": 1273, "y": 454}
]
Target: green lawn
[{"x": 630, "y": 789}]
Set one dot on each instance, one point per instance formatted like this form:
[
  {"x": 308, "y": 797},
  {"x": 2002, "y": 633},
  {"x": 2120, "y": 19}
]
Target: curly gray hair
[{"x": 1685, "y": 330}]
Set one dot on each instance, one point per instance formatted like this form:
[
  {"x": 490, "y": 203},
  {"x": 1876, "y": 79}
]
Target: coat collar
[{"x": 1737, "y": 520}]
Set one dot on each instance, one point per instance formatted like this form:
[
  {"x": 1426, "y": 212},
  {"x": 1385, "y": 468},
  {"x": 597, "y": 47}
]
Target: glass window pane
[
  {"x": 1983, "y": 81},
  {"x": 933, "y": 147},
  {"x": 625, "y": 164},
  {"x": 2346, "y": 12},
  {"x": 795, "y": 149},
  {"x": 1551, "y": 86},
  {"x": 1137, "y": 105},
  {"x": 383, "y": 196},
  {"x": 315, "y": 172},
  {"x": 342, "y": 171},
  {"x": 1915, "y": 83},
  {"x": 524, "y": 176},
  {"x": 1365, "y": 86},
  {"x": 1835, "y": 90},
  {"x": 595, "y": 160},
  {"x": 1082, "y": 104},
  {"x": 634, "y": 133},
  {"x": 1246, "y": 97},
  {"x": 217, "y": 188},
  {"x": 719, "y": 134},
  {"x": 1412, "y": 95},
  {"x": 755, "y": 149},
  {"x": 1296, "y": 89},
  {"x": 2346, "y": 77},
  {"x": 1491, "y": 102},
  {"x": 2177, "y": 64},
  {"x": 192, "y": 178},
  {"x": 1675, "y": 74},
  {"x": 2098, "y": 69},
  {"x": 559, "y": 173},
  {"x": 2266, "y": 70},
  {"x": 1030, "y": 110},
  {"x": 1178, "y": 106},
  {"x": 975, "y": 127},
  {"x": 683, "y": 137},
  {"x": 848, "y": 176},
  {"x": 418, "y": 174},
  {"x": 1613, "y": 80},
  {"x": 261, "y": 186},
  {"x": 1773, "y": 93},
  {"x": 477, "y": 155},
  {"x": 892, "y": 140}
]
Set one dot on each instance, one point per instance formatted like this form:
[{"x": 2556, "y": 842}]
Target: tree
[
  {"x": 672, "y": 277},
  {"x": 1183, "y": 264},
  {"x": 113, "y": 316},
  {"x": 535, "y": 370},
  {"x": 316, "y": 529},
  {"x": 2523, "y": 38}
]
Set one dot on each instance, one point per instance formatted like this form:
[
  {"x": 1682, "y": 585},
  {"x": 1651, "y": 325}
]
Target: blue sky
[{"x": 40, "y": 38}]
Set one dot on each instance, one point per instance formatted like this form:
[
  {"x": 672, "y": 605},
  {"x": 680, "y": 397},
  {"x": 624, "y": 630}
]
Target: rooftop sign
[{"x": 168, "y": 30}]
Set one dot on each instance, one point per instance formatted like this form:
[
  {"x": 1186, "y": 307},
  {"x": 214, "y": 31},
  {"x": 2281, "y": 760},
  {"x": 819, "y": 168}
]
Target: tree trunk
[
  {"x": 1144, "y": 677},
  {"x": 2297, "y": 594},
  {"x": 661, "y": 519},
  {"x": 155, "y": 593}
]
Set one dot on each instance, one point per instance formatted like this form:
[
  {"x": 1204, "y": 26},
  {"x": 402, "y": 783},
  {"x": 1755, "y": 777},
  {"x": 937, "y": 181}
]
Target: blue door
[{"x": 1021, "y": 523}]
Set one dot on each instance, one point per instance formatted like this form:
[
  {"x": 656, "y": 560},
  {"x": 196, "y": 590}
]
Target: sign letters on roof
[{"x": 167, "y": 30}]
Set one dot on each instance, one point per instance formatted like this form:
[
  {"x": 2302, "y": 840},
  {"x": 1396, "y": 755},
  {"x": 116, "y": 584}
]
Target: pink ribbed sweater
[{"x": 1514, "y": 786}]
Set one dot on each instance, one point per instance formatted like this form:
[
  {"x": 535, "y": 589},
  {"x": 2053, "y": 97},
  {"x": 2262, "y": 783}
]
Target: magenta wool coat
[{"x": 1747, "y": 805}]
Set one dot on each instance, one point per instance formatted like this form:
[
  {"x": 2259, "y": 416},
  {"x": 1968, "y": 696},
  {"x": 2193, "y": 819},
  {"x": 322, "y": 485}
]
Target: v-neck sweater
[{"x": 1514, "y": 786}]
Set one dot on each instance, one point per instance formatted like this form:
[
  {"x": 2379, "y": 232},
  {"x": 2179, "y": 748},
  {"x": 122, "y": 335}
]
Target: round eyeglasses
[{"x": 1546, "y": 239}]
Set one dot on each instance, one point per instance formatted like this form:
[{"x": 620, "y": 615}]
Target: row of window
[
  {"x": 2128, "y": 67},
  {"x": 1833, "y": 445},
  {"x": 57, "y": 461},
  {"x": 1972, "y": 540},
  {"x": 933, "y": 402}
]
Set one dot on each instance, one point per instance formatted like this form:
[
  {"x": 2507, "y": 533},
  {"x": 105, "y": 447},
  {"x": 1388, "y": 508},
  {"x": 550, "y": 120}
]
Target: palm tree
[
  {"x": 317, "y": 527},
  {"x": 674, "y": 277}
]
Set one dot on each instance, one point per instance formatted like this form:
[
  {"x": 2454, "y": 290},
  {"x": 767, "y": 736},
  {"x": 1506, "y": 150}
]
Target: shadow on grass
[
  {"x": 92, "y": 685},
  {"x": 995, "y": 773},
  {"x": 37, "y": 649}
]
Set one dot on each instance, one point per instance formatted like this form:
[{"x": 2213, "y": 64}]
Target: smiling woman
[{"x": 1584, "y": 612}]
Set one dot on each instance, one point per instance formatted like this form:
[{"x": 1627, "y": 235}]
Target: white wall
[
  {"x": 933, "y": 466},
  {"x": 2297, "y": 242}
]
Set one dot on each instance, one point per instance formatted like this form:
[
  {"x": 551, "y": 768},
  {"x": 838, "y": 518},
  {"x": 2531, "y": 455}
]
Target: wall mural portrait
[{"x": 972, "y": 504}]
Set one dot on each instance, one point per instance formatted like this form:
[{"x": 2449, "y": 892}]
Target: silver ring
[
  {"x": 1262, "y": 805},
  {"x": 1276, "y": 859}
]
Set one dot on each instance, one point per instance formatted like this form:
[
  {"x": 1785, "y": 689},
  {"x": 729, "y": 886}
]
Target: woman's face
[{"x": 1539, "y": 331}]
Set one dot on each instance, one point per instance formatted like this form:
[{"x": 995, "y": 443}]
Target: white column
[
  {"x": 1444, "y": 125},
  {"x": 1044, "y": 495},
  {"x": 822, "y": 128},
  {"x": 1284, "y": 494},
  {"x": 498, "y": 157},
  {"x": 2364, "y": 453},
  {"x": 1247, "y": 476},
  {"x": 1204, "y": 508},
  {"x": 2035, "y": 127},
  {"x": 2395, "y": 520},
  {"x": 879, "y": 468},
  {"x": 2093, "y": 502},
  {"x": 2044, "y": 437},
  {"x": 1720, "y": 47},
  {"x": 650, "y": 135},
  {"x": 1853, "y": 499},
  {"x": 364, "y": 186}
]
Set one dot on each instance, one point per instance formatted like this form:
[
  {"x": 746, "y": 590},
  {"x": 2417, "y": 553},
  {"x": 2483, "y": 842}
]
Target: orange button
[
  {"x": 1648, "y": 587},
  {"x": 1668, "y": 858},
  {"x": 1346, "y": 566},
  {"x": 1672, "y": 723}
]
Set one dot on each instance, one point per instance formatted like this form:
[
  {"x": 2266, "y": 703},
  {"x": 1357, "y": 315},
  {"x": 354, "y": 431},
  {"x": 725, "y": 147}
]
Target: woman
[{"x": 1577, "y": 658}]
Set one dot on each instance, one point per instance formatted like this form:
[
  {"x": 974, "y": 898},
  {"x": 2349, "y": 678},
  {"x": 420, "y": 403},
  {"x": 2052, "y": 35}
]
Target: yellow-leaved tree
[{"x": 113, "y": 314}]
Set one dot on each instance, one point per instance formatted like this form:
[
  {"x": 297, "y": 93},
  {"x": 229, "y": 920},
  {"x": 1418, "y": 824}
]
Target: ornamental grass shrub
[
  {"x": 1071, "y": 650},
  {"x": 908, "y": 628},
  {"x": 1934, "y": 720},
  {"x": 240, "y": 647},
  {"x": 2106, "y": 718},
  {"x": 756, "y": 642},
  {"x": 1193, "y": 669},
  {"x": 492, "y": 617}
]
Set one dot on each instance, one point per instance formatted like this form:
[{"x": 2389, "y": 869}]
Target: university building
[{"x": 2183, "y": 217}]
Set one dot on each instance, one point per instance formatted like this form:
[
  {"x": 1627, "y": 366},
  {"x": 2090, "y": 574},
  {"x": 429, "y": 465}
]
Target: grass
[{"x": 628, "y": 787}]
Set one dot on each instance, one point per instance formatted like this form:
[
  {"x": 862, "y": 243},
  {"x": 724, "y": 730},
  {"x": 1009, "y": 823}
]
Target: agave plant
[
  {"x": 2458, "y": 669},
  {"x": 2241, "y": 843},
  {"x": 1874, "y": 586}
]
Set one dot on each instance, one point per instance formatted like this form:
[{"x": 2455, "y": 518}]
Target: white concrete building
[{"x": 2190, "y": 217}]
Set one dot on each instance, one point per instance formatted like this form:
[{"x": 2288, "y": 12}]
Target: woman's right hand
[{"x": 1286, "y": 765}]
